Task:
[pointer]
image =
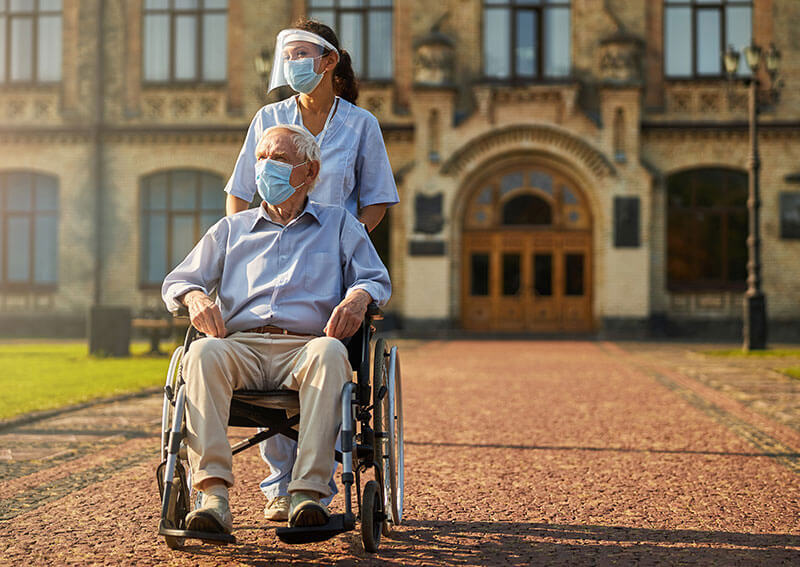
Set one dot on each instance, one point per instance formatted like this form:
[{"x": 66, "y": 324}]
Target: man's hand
[
  {"x": 348, "y": 315},
  {"x": 204, "y": 314}
]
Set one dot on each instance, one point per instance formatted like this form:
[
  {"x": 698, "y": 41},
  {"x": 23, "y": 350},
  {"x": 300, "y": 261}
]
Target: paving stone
[{"x": 517, "y": 453}]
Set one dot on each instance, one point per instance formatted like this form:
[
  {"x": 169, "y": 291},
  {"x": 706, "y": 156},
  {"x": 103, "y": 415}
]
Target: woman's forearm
[
  {"x": 371, "y": 215},
  {"x": 235, "y": 205}
]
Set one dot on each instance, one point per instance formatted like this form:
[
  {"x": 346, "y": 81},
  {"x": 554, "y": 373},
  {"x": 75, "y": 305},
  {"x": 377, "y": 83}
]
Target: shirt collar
[{"x": 311, "y": 208}]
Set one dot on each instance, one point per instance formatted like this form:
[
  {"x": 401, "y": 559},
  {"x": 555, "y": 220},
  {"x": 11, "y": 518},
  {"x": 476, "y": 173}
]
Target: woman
[{"x": 355, "y": 173}]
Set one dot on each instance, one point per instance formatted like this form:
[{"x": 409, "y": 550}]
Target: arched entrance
[{"x": 527, "y": 253}]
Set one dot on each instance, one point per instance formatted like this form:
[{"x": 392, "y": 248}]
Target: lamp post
[
  {"x": 263, "y": 65},
  {"x": 755, "y": 302}
]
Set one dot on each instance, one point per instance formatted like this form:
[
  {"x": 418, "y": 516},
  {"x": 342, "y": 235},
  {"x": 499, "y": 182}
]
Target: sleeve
[
  {"x": 242, "y": 182},
  {"x": 362, "y": 267},
  {"x": 374, "y": 177},
  {"x": 200, "y": 270}
]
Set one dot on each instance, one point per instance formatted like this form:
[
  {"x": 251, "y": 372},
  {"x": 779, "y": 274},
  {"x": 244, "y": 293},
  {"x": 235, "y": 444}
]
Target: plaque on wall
[
  {"x": 428, "y": 217},
  {"x": 626, "y": 222},
  {"x": 790, "y": 215},
  {"x": 426, "y": 248}
]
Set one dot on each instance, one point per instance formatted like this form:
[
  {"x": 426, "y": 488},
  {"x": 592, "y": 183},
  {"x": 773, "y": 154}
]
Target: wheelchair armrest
[{"x": 374, "y": 312}]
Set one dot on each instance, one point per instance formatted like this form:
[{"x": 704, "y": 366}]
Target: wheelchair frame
[{"x": 371, "y": 437}]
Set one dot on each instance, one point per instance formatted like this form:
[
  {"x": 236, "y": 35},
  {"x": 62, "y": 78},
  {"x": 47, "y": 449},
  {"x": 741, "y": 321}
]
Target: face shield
[{"x": 292, "y": 45}]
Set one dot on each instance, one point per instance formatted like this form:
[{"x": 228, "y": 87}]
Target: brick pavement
[{"x": 518, "y": 452}]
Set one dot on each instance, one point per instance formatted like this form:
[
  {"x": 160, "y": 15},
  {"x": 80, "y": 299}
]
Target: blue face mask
[
  {"x": 301, "y": 75},
  {"x": 272, "y": 180}
]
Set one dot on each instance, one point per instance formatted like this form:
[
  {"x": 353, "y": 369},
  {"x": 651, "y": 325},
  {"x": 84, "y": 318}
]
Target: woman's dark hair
[{"x": 345, "y": 83}]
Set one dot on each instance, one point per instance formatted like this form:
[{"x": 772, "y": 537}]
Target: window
[
  {"x": 185, "y": 40},
  {"x": 30, "y": 41},
  {"x": 526, "y": 39},
  {"x": 364, "y": 29},
  {"x": 28, "y": 230},
  {"x": 707, "y": 230},
  {"x": 696, "y": 32},
  {"x": 177, "y": 208}
]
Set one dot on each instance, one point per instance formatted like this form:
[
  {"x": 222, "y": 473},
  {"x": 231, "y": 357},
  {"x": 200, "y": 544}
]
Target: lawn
[
  {"x": 42, "y": 376},
  {"x": 793, "y": 371},
  {"x": 767, "y": 353}
]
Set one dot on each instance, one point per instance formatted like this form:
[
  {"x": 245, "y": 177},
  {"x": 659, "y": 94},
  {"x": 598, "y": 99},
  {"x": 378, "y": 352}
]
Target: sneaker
[
  {"x": 213, "y": 516},
  {"x": 306, "y": 510},
  {"x": 277, "y": 509}
]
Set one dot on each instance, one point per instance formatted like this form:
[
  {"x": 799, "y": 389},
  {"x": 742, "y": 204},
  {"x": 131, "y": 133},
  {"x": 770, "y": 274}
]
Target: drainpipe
[{"x": 97, "y": 135}]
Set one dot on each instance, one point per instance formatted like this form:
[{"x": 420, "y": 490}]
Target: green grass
[
  {"x": 769, "y": 353},
  {"x": 42, "y": 376},
  {"x": 793, "y": 371}
]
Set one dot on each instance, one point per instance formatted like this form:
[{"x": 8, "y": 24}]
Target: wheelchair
[{"x": 371, "y": 438}]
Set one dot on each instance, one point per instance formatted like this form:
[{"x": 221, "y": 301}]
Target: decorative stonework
[
  {"x": 620, "y": 59},
  {"x": 548, "y": 136},
  {"x": 183, "y": 106},
  {"x": 434, "y": 58},
  {"x": 719, "y": 99},
  {"x": 26, "y": 107}
]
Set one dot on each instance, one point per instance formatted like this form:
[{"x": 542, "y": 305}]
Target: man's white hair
[{"x": 305, "y": 144}]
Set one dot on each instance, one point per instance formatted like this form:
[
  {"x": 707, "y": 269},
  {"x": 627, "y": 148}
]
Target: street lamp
[
  {"x": 263, "y": 64},
  {"x": 755, "y": 302}
]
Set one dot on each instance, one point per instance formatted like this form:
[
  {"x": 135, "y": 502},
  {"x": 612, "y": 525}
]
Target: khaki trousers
[{"x": 317, "y": 368}]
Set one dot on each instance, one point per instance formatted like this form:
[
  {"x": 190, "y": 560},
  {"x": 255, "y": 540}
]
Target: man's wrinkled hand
[
  {"x": 348, "y": 315},
  {"x": 204, "y": 314}
]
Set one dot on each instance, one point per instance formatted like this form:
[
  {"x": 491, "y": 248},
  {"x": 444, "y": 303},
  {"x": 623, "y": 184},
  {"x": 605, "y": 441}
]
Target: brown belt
[{"x": 275, "y": 331}]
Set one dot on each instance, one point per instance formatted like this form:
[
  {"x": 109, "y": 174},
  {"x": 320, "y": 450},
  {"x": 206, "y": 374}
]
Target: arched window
[
  {"x": 527, "y": 209},
  {"x": 177, "y": 208},
  {"x": 707, "y": 230},
  {"x": 28, "y": 230}
]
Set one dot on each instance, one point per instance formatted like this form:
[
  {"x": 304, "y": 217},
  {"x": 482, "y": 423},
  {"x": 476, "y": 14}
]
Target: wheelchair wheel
[
  {"x": 380, "y": 405},
  {"x": 178, "y": 505},
  {"x": 371, "y": 524},
  {"x": 395, "y": 475},
  {"x": 168, "y": 409}
]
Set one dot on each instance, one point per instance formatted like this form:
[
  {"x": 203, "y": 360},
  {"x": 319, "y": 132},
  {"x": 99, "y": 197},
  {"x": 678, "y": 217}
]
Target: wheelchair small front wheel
[
  {"x": 371, "y": 517},
  {"x": 178, "y": 504}
]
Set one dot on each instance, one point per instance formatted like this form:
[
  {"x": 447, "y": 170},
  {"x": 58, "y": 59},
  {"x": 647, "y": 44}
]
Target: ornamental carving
[
  {"x": 434, "y": 58},
  {"x": 26, "y": 107},
  {"x": 517, "y": 136},
  {"x": 621, "y": 59},
  {"x": 183, "y": 106}
]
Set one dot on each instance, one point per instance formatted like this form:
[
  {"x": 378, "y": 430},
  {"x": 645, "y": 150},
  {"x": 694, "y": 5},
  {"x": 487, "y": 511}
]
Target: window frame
[
  {"x": 695, "y": 6},
  {"x": 144, "y": 215},
  {"x": 516, "y": 6},
  {"x": 32, "y": 14},
  {"x": 700, "y": 284},
  {"x": 363, "y": 10},
  {"x": 30, "y": 284},
  {"x": 172, "y": 13}
]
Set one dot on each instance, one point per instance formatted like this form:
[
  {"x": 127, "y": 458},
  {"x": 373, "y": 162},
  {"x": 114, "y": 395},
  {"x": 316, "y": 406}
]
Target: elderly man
[{"x": 280, "y": 272}]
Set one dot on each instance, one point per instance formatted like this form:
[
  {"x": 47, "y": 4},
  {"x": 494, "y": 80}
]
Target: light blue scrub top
[{"x": 355, "y": 167}]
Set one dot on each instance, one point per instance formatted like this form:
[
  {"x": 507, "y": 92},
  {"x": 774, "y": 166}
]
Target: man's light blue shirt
[
  {"x": 355, "y": 169},
  {"x": 289, "y": 276}
]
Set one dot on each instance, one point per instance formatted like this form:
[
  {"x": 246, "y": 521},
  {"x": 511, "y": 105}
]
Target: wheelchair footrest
[
  {"x": 337, "y": 524},
  {"x": 207, "y": 537}
]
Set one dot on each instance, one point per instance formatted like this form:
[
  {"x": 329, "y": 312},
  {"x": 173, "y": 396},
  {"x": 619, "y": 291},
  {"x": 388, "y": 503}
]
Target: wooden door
[{"x": 527, "y": 281}]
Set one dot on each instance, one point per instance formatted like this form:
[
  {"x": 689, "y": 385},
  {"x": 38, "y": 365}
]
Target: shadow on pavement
[
  {"x": 603, "y": 449},
  {"x": 520, "y": 543}
]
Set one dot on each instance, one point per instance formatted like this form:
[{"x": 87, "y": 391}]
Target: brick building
[{"x": 563, "y": 165}]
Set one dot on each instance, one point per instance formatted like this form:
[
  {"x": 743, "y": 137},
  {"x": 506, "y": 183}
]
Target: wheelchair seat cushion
[{"x": 276, "y": 399}]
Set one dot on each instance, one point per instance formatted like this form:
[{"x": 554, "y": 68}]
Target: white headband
[{"x": 286, "y": 36}]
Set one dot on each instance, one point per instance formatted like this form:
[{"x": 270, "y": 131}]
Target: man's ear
[{"x": 313, "y": 171}]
